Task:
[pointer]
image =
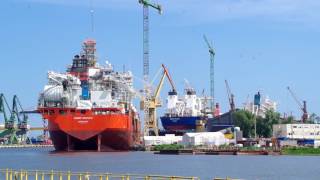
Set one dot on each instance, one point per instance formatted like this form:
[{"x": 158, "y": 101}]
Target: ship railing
[{"x": 11, "y": 174}]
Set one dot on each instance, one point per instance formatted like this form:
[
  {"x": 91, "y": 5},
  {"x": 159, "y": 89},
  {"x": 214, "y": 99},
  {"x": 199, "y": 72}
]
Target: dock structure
[
  {"x": 36, "y": 146},
  {"x": 10, "y": 174}
]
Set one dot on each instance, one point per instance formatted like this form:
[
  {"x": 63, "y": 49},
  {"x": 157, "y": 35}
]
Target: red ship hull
[{"x": 100, "y": 129}]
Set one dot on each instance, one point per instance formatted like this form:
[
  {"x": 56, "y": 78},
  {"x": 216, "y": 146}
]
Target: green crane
[
  {"x": 9, "y": 131},
  {"x": 22, "y": 118},
  {"x": 212, "y": 54},
  {"x": 146, "y": 4}
]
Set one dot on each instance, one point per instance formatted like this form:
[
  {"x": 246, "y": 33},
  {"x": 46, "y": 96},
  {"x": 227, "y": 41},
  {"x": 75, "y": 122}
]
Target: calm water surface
[{"x": 205, "y": 167}]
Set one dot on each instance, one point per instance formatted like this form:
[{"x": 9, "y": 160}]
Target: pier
[{"x": 10, "y": 174}]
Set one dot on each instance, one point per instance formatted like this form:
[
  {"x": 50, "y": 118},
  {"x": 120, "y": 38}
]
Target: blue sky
[{"x": 260, "y": 44}]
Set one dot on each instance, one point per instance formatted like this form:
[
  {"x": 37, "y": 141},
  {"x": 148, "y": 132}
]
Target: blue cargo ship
[
  {"x": 183, "y": 113},
  {"x": 179, "y": 124}
]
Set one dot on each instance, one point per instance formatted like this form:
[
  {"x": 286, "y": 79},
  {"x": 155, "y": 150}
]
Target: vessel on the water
[
  {"x": 90, "y": 106},
  {"x": 186, "y": 113}
]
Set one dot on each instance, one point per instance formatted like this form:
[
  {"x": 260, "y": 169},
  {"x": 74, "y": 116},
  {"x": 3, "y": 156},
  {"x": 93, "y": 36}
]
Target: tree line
[{"x": 245, "y": 120}]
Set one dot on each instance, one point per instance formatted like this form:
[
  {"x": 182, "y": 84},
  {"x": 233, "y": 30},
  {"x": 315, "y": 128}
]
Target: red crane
[
  {"x": 303, "y": 106},
  {"x": 230, "y": 97}
]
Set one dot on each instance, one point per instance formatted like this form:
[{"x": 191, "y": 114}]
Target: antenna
[{"x": 92, "y": 16}]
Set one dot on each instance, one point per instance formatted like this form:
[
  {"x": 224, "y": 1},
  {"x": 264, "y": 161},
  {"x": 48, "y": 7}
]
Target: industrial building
[{"x": 297, "y": 131}]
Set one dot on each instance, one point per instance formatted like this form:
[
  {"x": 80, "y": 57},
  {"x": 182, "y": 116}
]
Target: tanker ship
[{"x": 89, "y": 107}]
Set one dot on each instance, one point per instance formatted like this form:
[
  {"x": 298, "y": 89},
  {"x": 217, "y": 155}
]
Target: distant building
[
  {"x": 260, "y": 105},
  {"x": 296, "y": 131}
]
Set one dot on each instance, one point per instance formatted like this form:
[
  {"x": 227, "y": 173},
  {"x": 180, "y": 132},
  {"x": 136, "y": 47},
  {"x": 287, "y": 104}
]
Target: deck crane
[
  {"x": 230, "y": 97},
  {"x": 151, "y": 126},
  {"x": 212, "y": 54},
  {"x": 9, "y": 131},
  {"x": 303, "y": 106}
]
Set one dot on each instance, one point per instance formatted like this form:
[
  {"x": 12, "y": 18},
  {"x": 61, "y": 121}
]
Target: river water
[{"x": 203, "y": 166}]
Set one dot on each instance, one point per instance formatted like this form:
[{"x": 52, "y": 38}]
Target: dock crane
[
  {"x": 303, "y": 106},
  {"x": 151, "y": 126},
  {"x": 212, "y": 54},
  {"x": 22, "y": 118},
  {"x": 9, "y": 131},
  {"x": 230, "y": 97}
]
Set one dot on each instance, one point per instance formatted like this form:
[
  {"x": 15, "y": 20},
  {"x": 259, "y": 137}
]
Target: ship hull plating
[
  {"x": 89, "y": 131},
  {"x": 179, "y": 124}
]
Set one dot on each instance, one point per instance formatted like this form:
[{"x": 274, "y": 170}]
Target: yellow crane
[{"x": 152, "y": 103}]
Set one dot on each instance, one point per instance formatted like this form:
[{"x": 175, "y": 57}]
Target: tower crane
[
  {"x": 303, "y": 106},
  {"x": 146, "y": 4},
  {"x": 212, "y": 54},
  {"x": 147, "y": 89},
  {"x": 151, "y": 126},
  {"x": 230, "y": 97}
]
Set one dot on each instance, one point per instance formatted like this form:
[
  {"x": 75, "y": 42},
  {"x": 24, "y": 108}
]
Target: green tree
[
  {"x": 288, "y": 120},
  {"x": 245, "y": 120},
  {"x": 313, "y": 119},
  {"x": 265, "y": 125}
]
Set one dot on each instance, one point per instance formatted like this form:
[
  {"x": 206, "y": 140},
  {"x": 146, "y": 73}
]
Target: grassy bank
[
  {"x": 167, "y": 147},
  {"x": 300, "y": 151}
]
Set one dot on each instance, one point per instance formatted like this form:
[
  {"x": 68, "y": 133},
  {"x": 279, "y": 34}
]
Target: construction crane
[
  {"x": 147, "y": 89},
  {"x": 230, "y": 97},
  {"x": 151, "y": 126},
  {"x": 212, "y": 54},
  {"x": 146, "y": 4},
  {"x": 303, "y": 106}
]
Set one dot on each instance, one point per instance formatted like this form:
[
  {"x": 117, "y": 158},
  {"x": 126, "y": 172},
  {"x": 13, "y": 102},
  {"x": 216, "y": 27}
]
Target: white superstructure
[
  {"x": 86, "y": 84},
  {"x": 187, "y": 105}
]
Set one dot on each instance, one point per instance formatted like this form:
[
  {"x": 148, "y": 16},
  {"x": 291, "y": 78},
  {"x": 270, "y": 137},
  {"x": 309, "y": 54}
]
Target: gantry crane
[
  {"x": 230, "y": 97},
  {"x": 303, "y": 106},
  {"x": 212, "y": 54},
  {"x": 151, "y": 126}
]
